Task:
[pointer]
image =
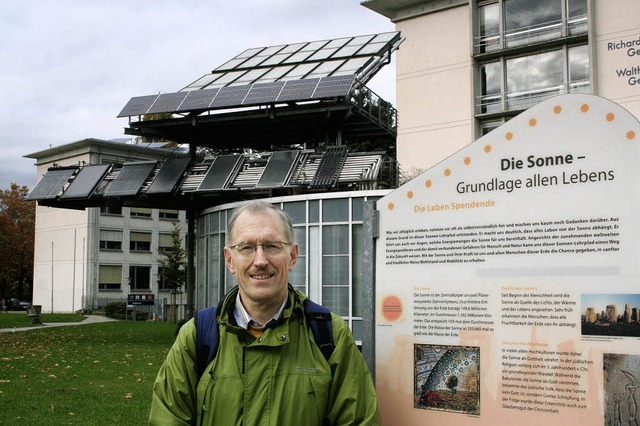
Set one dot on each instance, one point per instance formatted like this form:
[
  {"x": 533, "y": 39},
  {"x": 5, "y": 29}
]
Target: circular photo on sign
[{"x": 391, "y": 308}]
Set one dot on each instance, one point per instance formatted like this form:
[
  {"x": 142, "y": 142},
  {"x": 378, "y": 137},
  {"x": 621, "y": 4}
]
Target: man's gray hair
[{"x": 261, "y": 207}]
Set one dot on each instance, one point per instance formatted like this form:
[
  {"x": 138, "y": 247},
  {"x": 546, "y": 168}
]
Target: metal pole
[
  {"x": 73, "y": 277},
  {"x": 370, "y": 234},
  {"x": 51, "y": 276}
]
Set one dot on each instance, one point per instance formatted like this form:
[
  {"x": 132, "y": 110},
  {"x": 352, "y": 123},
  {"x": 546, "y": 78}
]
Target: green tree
[
  {"x": 17, "y": 232},
  {"x": 173, "y": 262}
]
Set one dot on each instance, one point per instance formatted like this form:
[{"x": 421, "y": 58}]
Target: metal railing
[
  {"x": 516, "y": 101},
  {"x": 376, "y": 108},
  {"x": 530, "y": 35}
]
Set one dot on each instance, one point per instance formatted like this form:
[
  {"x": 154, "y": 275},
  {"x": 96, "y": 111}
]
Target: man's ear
[
  {"x": 294, "y": 256},
  {"x": 228, "y": 260}
]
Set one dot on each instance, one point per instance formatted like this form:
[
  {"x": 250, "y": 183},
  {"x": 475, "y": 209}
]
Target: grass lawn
[
  {"x": 13, "y": 319},
  {"x": 93, "y": 374}
]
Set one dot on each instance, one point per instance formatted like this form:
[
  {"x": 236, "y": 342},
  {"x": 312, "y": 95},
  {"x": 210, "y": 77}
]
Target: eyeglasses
[{"x": 270, "y": 248}]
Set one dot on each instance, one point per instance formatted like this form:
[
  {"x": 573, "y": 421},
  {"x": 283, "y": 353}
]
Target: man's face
[{"x": 261, "y": 279}]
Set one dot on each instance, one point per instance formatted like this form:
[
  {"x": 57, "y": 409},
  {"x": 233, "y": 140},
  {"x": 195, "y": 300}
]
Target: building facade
[
  {"x": 87, "y": 258},
  {"x": 466, "y": 67}
]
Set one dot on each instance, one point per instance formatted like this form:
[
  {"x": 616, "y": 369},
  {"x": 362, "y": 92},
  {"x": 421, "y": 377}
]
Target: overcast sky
[{"x": 69, "y": 67}]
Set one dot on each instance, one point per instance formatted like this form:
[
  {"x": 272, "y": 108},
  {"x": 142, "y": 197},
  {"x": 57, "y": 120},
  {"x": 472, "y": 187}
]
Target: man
[{"x": 268, "y": 369}]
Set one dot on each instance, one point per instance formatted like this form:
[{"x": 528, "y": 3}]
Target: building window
[
  {"x": 109, "y": 277},
  {"x": 527, "y": 51},
  {"x": 140, "y": 241},
  {"x": 140, "y": 212},
  {"x": 140, "y": 277},
  {"x": 111, "y": 210},
  {"x": 110, "y": 240},
  {"x": 162, "y": 282},
  {"x": 165, "y": 243},
  {"x": 335, "y": 268},
  {"x": 168, "y": 214}
]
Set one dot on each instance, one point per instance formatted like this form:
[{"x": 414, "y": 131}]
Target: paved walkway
[{"x": 91, "y": 319}]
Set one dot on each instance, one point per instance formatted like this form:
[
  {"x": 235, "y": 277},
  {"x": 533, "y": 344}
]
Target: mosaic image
[
  {"x": 447, "y": 378},
  {"x": 621, "y": 381}
]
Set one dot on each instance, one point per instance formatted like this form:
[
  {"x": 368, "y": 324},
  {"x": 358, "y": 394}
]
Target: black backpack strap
[
  {"x": 319, "y": 319},
  {"x": 207, "y": 337}
]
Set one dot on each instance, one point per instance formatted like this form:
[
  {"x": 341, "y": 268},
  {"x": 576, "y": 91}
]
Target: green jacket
[{"x": 280, "y": 379}]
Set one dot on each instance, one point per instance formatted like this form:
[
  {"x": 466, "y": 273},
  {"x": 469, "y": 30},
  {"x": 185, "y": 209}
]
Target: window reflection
[{"x": 531, "y": 79}]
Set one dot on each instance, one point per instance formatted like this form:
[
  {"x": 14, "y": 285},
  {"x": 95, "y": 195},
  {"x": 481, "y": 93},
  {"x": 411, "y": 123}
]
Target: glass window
[
  {"x": 534, "y": 78},
  {"x": 531, "y": 21},
  {"x": 491, "y": 88},
  {"x": 110, "y": 240},
  {"x": 140, "y": 241},
  {"x": 165, "y": 243},
  {"x": 577, "y": 16},
  {"x": 168, "y": 214},
  {"x": 163, "y": 285},
  {"x": 140, "y": 212},
  {"x": 489, "y": 20},
  {"x": 140, "y": 277},
  {"x": 297, "y": 210},
  {"x": 357, "y": 271},
  {"x": 335, "y": 210},
  {"x": 579, "y": 69},
  {"x": 335, "y": 268},
  {"x": 109, "y": 277},
  {"x": 298, "y": 275},
  {"x": 109, "y": 210},
  {"x": 357, "y": 208},
  {"x": 314, "y": 211}
]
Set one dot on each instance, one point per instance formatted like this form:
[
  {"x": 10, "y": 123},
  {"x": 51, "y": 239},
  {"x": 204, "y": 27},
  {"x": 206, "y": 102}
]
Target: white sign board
[{"x": 507, "y": 276}]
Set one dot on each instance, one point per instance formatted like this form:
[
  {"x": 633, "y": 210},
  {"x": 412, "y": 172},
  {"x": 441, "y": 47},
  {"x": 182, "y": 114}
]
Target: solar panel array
[
  {"x": 284, "y": 73},
  {"x": 280, "y": 169},
  {"x": 237, "y": 96}
]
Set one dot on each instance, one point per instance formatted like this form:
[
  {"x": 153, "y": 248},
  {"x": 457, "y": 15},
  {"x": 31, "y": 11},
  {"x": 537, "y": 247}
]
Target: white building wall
[
  {"x": 433, "y": 71},
  {"x": 58, "y": 259},
  {"x": 617, "y": 49}
]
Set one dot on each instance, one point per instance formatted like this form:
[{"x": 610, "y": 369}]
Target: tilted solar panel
[
  {"x": 130, "y": 179},
  {"x": 85, "y": 182},
  {"x": 220, "y": 172},
  {"x": 278, "y": 169},
  {"x": 138, "y": 105},
  {"x": 51, "y": 184},
  {"x": 169, "y": 175}
]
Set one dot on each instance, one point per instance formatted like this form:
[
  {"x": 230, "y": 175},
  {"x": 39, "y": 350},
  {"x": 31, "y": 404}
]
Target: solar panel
[
  {"x": 278, "y": 169},
  {"x": 84, "y": 183},
  {"x": 220, "y": 172},
  {"x": 263, "y": 93},
  {"x": 130, "y": 179},
  {"x": 138, "y": 105},
  {"x": 198, "y": 99},
  {"x": 329, "y": 87},
  {"x": 167, "y": 102},
  {"x": 296, "y": 90},
  {"x": 51, "y": 184},
  {"x": 230, "y": 96},
  {"x": 330, "y": 166},
  {"x": 168, "y": 176}
]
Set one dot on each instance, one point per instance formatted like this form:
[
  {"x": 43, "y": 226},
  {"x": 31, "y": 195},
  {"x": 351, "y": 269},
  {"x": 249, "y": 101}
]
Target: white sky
[{"x": 69, "y": 67}]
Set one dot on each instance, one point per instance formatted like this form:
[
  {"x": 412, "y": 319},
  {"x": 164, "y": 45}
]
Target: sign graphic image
[{"x": 507, "y": 276}]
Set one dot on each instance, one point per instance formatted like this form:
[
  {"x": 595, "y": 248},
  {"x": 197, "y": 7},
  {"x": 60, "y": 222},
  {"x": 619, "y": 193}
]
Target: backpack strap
[
  {"x": 207, "y": 337},
  {"x": 319, "y": 319}
]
